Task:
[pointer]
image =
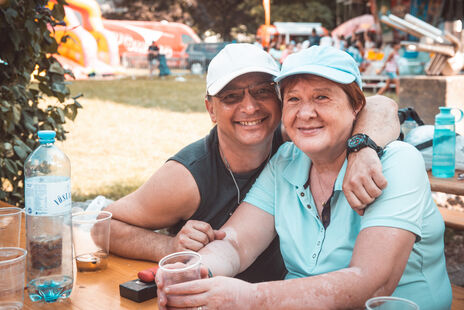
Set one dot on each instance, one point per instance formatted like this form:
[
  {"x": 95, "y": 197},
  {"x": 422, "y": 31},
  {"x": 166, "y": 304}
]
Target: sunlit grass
[
  {"x": 128, "y": 128},
  {"x": 169, "y": 94}
]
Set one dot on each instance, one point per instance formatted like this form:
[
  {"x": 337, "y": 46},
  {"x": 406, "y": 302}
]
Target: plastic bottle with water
[
  {"x": 47, "y": 188},
  {"x": 408, "y": 125},
  {"x": 444, "y": 143}
]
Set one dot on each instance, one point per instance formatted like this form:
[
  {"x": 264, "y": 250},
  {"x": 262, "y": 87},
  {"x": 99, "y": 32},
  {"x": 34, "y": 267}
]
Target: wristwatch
[{"x": 359, "y": 141}]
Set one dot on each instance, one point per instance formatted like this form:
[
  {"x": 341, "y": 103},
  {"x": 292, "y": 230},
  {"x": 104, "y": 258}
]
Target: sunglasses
[{"x": 261, "y": 91}]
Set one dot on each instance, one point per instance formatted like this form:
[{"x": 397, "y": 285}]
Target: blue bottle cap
[{"x": 46, "y": 136}]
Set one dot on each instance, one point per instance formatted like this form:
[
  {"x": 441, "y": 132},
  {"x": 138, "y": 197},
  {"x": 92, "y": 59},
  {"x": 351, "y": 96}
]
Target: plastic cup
[
  {"x": 180, "y": 267},
  {"x": 91, "y": 239},
  {"x": 10, "y": 226},
  {"x": 12, "y": 269},
  {"x": 390, "y": 303}
]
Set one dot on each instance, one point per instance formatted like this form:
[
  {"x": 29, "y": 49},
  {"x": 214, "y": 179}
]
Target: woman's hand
[
  {"x": 363, "y": 180},
  {"x": 194, "y": 236},
  {"x": 213, "y": 293}
]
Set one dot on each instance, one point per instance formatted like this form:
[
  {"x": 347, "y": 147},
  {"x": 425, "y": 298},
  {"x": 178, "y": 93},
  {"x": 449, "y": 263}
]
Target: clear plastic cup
[
  {"x": 91, "y": 239},
  {"x": 180, "y": 267},
  {"x": 10, "y": 226},
  {"x": 12, "y": 273},
  {"x": 390, "y": 303}
]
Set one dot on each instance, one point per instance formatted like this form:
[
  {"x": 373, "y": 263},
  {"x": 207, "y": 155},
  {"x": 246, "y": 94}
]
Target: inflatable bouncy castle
[{"x": 97, "y": 46}]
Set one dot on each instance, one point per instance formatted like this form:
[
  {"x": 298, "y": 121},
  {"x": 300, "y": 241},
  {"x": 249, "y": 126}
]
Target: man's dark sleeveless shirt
[{"x": 218, "y": 196}]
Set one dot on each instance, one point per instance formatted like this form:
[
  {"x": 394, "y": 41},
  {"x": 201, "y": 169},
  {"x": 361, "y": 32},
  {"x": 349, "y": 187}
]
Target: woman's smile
[{"x": 310, "y": 130}]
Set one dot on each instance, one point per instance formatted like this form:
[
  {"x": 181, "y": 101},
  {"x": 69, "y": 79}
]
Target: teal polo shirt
[{"x": 310, "y": 249}]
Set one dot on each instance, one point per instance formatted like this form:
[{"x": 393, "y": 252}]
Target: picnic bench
[{"x": 375, "y": 82}]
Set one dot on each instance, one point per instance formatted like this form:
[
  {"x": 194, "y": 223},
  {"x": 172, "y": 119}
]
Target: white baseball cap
[{"x": 237, "y": 59}]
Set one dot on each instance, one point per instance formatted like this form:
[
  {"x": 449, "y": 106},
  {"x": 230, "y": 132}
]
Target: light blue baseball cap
[{"x": 324, "y": 61}]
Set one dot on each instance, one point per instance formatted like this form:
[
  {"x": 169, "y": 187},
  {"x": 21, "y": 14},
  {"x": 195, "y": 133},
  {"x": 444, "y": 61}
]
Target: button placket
[{"x": 318, "y": 247}]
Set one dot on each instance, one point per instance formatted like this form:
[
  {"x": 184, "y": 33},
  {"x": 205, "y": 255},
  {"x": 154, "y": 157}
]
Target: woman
[
  {"x": 392, "y": 69},
  {"x": 335, "y": 258}
]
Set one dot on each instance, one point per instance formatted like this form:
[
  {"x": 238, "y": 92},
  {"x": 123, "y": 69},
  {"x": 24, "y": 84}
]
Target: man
[
  {"x": 196, "y": 190},
  {"x": 326, "y": 40},
  {"x": 153, "y": 55},
  {"x": 314, "y": 38}
]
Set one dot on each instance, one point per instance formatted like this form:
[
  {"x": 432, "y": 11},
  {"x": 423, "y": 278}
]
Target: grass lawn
[{"x": 128, "y": 129}]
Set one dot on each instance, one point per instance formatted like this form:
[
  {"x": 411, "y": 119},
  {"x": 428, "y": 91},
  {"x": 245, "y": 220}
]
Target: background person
[
  {"x": 335, "y": 258},
  {"x": 153, "y": 57},
  {"x": 326, "y": 39},
  {"x": 196, "y": 191},
  {"x": 314, "y": 38},
  {"x": 392, "y": 69}
]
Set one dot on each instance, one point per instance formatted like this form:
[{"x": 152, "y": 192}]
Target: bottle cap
[{"x": 46, "y": 136}]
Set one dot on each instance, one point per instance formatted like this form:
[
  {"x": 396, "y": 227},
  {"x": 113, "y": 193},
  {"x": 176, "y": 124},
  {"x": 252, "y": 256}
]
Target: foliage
[
  {"x": 223, "y": 16},
  {"x": 26, "y": 46},
  {"x": 308, "y": 11},
  {"x": 220, "y": 15}
]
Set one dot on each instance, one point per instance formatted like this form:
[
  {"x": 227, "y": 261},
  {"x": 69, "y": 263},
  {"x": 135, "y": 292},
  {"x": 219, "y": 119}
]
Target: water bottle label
[{"x": 47, "y": 195}]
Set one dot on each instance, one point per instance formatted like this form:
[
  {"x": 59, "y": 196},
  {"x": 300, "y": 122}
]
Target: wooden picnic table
[
  {"x": 97, "y": 290},
  {"x": 100, "y": 290},
  {"x": 449, "y": 185},
  {"x": 452, "y": 218}
]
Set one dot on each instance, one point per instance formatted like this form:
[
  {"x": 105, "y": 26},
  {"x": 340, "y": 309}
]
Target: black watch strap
[{"x": 360, "y": 141}]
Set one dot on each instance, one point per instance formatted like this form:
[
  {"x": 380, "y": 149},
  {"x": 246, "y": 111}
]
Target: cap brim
[
  {"x": 219, "y": 84},
  {"x": 322, "y": 71}
]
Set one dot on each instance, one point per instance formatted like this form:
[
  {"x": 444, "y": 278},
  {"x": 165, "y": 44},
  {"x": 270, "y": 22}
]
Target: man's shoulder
[{"x": 197, "y": 152}]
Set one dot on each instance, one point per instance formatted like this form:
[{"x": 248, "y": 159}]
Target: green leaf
[
  {"x": 10, "y": 166},
  {"x": 58, "y": 12},
  {"x": 36, "y": 47},
  {"x": 60, "y": 91},
  {"x": 10, "y": 15},
  {"x": 20, "y": 152},
  {"x": 20, "y": 143},
  {"x": 15, "y": 38},
  {"x": 31, "y": 27},
  {"x": 6, "y": 104},
  {"x": 16, "y": 113},
  {"x": 70, "y": 111},
  {"x": 7, "y": 147},
  {"x": 29, "y": 122},
  {"x": 56, "y": 68},
  {"x": 44, "y": 88},
  {"x": 61, "y": 115},
  {"x": 65, "y": 38},
  {"x": 51, "y": 121},
  {"x": 78, "y": 105}
]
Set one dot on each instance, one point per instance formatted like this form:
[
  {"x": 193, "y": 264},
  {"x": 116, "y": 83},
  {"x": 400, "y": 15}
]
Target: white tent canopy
[{"x": 297, "y": 29}]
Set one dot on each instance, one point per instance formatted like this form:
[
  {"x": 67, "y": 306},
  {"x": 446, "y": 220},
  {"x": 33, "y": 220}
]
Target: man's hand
[
  {"x": 194, "y": 236},
  {"x": 363, "y": 180}
]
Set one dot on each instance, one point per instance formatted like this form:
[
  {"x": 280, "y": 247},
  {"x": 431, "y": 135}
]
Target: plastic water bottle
[
  {"x": 444, "y": 144},
  {"x": 48, "y": 221},
  {"x": 408, "y": 125}
]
